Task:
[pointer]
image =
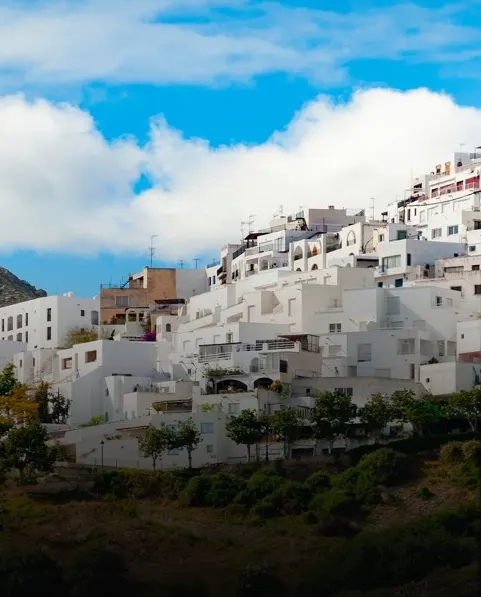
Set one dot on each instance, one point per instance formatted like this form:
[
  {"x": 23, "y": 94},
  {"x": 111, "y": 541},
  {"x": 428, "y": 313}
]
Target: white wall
[
  {"x": 190, "y": 282},
  {"x": 446, "y": 378},
  {"x": 8, "y": 350}
]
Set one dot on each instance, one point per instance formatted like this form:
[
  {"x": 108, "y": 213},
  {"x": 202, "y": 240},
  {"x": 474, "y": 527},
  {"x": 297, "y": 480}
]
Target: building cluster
[{"x": 319, "y": 301}]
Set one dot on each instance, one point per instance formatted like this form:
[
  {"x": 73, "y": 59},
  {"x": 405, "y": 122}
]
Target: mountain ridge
[{"x": 13, "y": 290}]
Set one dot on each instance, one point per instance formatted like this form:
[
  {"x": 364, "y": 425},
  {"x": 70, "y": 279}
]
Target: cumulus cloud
[
  {"x": 52, "y": 42},
  {"x": 63, "y": 187}
]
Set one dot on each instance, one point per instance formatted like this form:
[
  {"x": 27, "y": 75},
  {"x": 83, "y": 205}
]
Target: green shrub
[
  {"x": 267, "y": 507},
  {"x": 292, "y": 497},
  {"x": 309, "y": 517},
  {"x": 452, "y": 453},
  {"x": 347, "y": 480},
  {"x": 412, "y": 445},
  {"x": 29, "y": 573},
  {"x": 472, "y": 451},
  {"x": 319, "y": 481},
  {"x": 223, "y": 489},
  {"x": 142, "y": 484},
  {"x": 260, "y": 485},
  {"x": 195, "y": 492},
  {"x": 336, "y": 502},
  {"x": 384, "y": 466}
]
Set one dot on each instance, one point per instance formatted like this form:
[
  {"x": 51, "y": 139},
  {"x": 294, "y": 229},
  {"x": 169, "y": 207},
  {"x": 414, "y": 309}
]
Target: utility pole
[
  {"x": 152, "y": 249},
  {"x": 372, "y": 207},
  {"x": 196, "y": 262}
]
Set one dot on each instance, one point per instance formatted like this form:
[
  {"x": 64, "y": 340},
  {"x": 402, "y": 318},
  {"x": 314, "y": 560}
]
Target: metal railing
[{"x": 218, "y": 352}]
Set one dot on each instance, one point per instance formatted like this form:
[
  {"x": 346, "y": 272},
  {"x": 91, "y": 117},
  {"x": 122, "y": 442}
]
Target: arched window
[
  {"x": 314, "y": 251},
  {"x": 351, "y": 238},
  {"x": 19, "y": 321},
  {"x": 10, "y": 324},
  {"x": 168, "y": 327},
  {"x": 106, "y": 417},
  {"x": 298, "y": 254},
  {"x": 254, "y": 366},
  {"x": 314, "y": 266},
  {"x": 298, "y": 269}
]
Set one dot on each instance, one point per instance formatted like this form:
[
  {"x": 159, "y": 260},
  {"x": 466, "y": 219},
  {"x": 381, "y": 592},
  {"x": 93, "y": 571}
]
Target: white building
[{"x": 44, "y": 322}]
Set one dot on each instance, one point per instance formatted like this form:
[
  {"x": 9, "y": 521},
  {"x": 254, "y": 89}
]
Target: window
[
  {"x": 477, "y": 224},
  {"x": 440, "y": 348},
  {"x": 472, "y": 248},
  {"x": 393, "y": 305},
  {"x": 334, "y": 350},
  {"x": 408, "y": 259},
  {"x": 173, "y": 452},
  {"x": 33, "y": 362},
  {"x": 462, "y": 336},
  {"x": 451, "y": 348},
  {"x": 283, "y": 366},
  {"x": 49, "y": 333},
  {"x": 3, "y": 325},
  {"x": 233, "y": 408},
  {"x": 392, "y": 261},
  {"x": 122, "y": 301},
  {"x": 26, "y": 336},
  {"x": 477, "y": 289},
  {"x": 82, "y": 312},
  {"x": 207, "y": 427},
  {"x": 409, "y": 214},
  {"x": 412, "y": 371},
  {"x": 67, "y": 363},
  {"x": 364, "y": 353},
  {"x": 91, "y": 356},
  {"x": 290, "y": 307},
  {"x": 436, "y": 233},
  {"x": 229, "y": 337},
  {"x": 398, "y": 283},
  {"x": 351, "y": 238},
  {"x": 345, "y": 391},
  {"x": 334, "y": 328},
  {"x": 453, "y": 230},
  {"x": 49, "y": 314},
  {"x": 19, "y": 337},
  {"x": 406, "y": 346},
  {"x": 26, "y": 319},
  {"x": 456, "y": 288},
  {"x": 21, "y": 363},
  {"x": 10, "y": 324},
  {"x": 209, "y": 448},
  {"x": 439, "y": 301},
  {"x": 94, "y": 317},
  {"x": 379, "y": 284},
  {"x": 475, "y": 268},
  {"x": 168, "y": 327},
  {"x": 10, "y": 338},
  {"x": 19, "y": 321},
  {"x": 401, "y": 234},
  {"x": 381, "y": 238}
]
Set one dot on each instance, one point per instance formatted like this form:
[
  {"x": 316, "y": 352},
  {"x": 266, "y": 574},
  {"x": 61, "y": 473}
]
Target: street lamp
[{"x": 102, "y": 453}]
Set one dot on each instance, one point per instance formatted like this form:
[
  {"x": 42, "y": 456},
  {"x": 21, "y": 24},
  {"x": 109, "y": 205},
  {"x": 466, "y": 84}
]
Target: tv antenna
[
  {"x": 249, "y": 223},
  {"x": 372, "y": 207},
  {"x": 196, "y": 262},
  {"x": 152, "y": 248},
  {"x": 181, "y": 264}
]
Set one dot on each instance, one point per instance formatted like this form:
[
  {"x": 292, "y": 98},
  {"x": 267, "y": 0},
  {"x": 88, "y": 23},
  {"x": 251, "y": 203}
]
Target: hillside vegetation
[{"x": 397, "y": 520}]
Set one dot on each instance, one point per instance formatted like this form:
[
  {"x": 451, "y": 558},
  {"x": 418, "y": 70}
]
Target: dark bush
[
  {"x": 310, "y": 517},
  {"x": 319, "y": 481},
  {"x": 412, "y": 445},
  {"x": 96, "y": 571},
  {"x": 259, "y": 486},
  {"x": 267, "y": 507},
  {"x": 384, "y": 466},
  {"x": 223, "y": 489},
  {"x": 347, "y": 480},
  {"x": 336, "y": 526},
  {"x": 452, "y": 453},
  {"x": 195, "y": 492},
  {"x": 29, "y": 573},
  {"x": 292, "y": 497},
  {"x": 142, "y": 484},
  {"x": 259, "y": 581}
]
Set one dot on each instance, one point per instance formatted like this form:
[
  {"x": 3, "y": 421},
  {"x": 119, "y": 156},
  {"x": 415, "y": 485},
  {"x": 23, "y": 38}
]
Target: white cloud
[
  {"x": 63, "y": 187},
  {"x": 193, "y": 41}
]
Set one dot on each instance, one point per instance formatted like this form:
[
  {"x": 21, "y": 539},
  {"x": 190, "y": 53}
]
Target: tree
[
  {"x": 332, "y": 414},
  {"x": 420, "y": 412},
  {"x": 79, "y": 336},
  {"x": 42, "y": 398},
  {"x": 25, "y": 449},
  {"x": 53, "y": 407},
  {"x": 187, "y": 436},
  {"x": 266, "y": 423},
  {"x": 156, "y": 441},
  {"x": 466, "y": 405},
  {"x": 376, "y": 414},
  {"x": 286, "y": 424},
  {"x": 8, "y": 381},
  {"x": 245, "y": 428},
  {"x": 17, "y": 407}
]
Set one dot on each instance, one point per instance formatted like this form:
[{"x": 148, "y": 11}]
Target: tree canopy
[
  {"x": 332, "y": 414},
  {"x": 187, "y": 437},
  {"x": 156, "y": 441},
  {"x": 245, "y": 428}
]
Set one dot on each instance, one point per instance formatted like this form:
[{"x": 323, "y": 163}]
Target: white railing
[{"x": 224, "y": 352}]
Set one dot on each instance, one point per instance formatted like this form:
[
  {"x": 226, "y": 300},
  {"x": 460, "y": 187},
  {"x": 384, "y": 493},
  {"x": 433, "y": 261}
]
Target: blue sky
[{"x": 247, "y": 87}]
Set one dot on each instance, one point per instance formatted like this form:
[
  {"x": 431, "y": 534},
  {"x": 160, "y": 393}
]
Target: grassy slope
[{"x": 162, "y": 542}]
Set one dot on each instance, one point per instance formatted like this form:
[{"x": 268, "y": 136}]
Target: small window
[
  {"x": 283, "y": 365},
  {"x": 49, "y": 333},
  {"x": 456, "y": 288},
  {"x": 94, "y": 317},
  {"x": 19, "y": 321},
  {"x": 462, "y": 336},
  {"x": 475, "y": 268},
  {"x": 26, "y": 336},
  {"x": 408, "y": 259},
  {"x": 3, "y": 325},
  {"x": 335, "y": 328},
  {"x": 49, "y": 314},
  {"x": 10, "y": 324},
  {"x": 477, "y": 224},
  {"x": 381, "y": 238},
  {"x": 26, "y": 319},
  {"x": 168, "y": 327},
  {"x": 477, "y": 289},
  {"x": 21, "y": 363},
  {"x": 91, "y": 356},
  {"x": 472, "y": 248},
  {"x": 453, "y": 230},
  {"x": 439, "y": 301},
  {"x": 229, "y": 337},
  {"x": 379, "y": 284},
  {"x": 19, "y": 337},
  {"x": 122, "y": 301},
  {"x": 402, "y": 234},
  {"x": 209, "y": 448},
  {"x": 436, "y": 233},
  {"x": 207, "y": 427},
  {"x": 428, "y": 379},
  {"x": 398, "y": 283},
  {"x": 33, "y": 362},
  {"x": 233, "y": 408},
  {"x": 67, "y": 363},
  {"x": 82, "y": 312}
]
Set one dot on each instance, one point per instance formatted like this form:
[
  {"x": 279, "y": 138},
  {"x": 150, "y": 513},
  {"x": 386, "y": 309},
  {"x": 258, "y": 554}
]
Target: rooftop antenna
[
  {"x": 181, "y": 264},
  {"x": 152, "y": 249},
  {"x": 372, "y": 207},
  {"x": 196, "y": 262}
]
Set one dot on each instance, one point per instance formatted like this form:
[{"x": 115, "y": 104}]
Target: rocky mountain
[{"x": 13, "y": 290}]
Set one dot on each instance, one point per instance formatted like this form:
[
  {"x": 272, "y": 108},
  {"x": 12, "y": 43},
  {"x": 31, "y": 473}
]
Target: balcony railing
[{"x": 223, "y": 352}]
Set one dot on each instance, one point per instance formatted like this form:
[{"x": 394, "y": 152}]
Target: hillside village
[
  {"x": 300, "y": 416},
  {"x": 321, "y": 300}
]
